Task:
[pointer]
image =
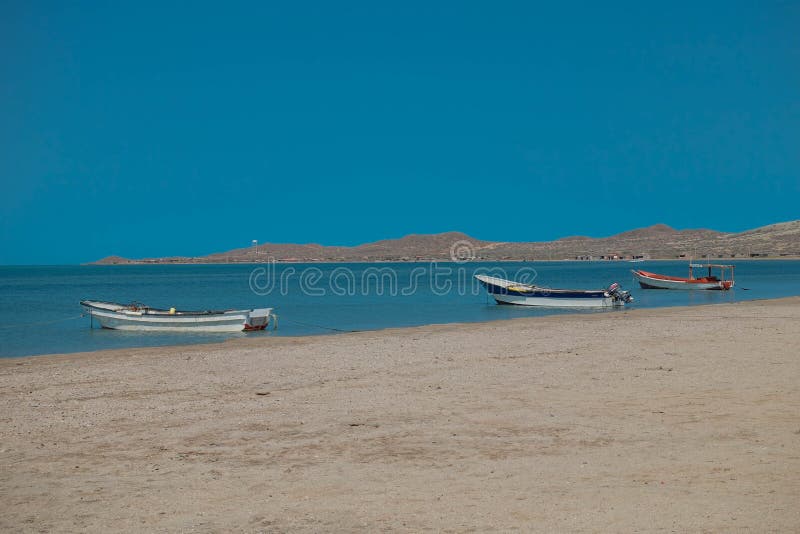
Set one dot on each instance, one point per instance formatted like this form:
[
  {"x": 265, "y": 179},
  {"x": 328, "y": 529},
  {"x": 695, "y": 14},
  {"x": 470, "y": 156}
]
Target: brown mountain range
[{"x": 658, "y": 241}]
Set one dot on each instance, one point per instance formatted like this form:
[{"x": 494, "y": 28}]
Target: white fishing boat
[
  {"x": 708, "y": 282},
  {"x": 510, "y": 292},
  {"x": 139, "y": 317}
]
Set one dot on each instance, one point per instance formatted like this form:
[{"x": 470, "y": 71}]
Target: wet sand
[{"x": 645, "y": 420}]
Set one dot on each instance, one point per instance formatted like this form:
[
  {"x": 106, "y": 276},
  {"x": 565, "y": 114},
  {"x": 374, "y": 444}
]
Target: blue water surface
[{"x": 39, "y": 311}]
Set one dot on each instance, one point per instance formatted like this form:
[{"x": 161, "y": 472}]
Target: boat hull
[
  {"x": 558, "y": 302},
  {"x": 647, "y": 281},
  {"x": 508, "y": 292},
  {"x": 144, "y": 320}
]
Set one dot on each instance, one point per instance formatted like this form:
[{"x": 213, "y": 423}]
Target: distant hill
[
  {"x": 658, "y": 241},
  {"x": 114, "y": 260}
]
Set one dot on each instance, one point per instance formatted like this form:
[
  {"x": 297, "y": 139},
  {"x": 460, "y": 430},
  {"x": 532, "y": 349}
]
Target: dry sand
[{"x": 647, "y": 420}]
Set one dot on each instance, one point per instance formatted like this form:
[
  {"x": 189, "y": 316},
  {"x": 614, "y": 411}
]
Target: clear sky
[{"x": 154, "y": 128}]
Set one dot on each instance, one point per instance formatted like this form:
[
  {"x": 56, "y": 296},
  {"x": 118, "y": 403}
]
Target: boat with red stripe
[{"x": 709, "y": 281}]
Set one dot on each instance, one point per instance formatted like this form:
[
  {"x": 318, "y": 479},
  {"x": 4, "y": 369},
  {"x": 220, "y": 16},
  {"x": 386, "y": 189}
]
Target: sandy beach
[{"x": 680, "y": 419}]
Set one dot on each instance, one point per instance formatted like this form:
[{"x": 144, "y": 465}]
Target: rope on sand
[{"x": 312, "y": 325}]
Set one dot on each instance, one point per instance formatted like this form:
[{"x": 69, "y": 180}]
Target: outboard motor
[{"x": 620, "y": 297}]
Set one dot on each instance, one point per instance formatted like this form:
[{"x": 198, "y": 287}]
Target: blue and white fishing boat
[
  {"x": 138, "y": 317},
  {"x": 510, "y": 292}
]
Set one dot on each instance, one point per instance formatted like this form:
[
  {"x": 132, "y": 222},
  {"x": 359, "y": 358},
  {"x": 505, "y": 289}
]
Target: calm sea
[{"x": 39, "y": 311}]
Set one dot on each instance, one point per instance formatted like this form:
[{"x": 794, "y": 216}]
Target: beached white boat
[
  {"x": 143, "y": 318},
  {"x": 709, "y": 282},
  {"x": 510, "y": 292}
]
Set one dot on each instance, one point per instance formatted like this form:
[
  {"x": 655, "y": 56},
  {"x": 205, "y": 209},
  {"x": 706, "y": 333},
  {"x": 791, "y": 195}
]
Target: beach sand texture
[{"x": 644, "y": 420}]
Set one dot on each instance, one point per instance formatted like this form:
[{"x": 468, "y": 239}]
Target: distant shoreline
[
  {"x": 780, "y": 240},
  {"x": 379, "y": 262},
  {"x": 365, "y": 262}
]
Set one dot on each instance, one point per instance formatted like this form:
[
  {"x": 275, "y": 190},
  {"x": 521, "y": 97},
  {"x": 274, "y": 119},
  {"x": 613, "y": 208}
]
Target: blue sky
[{"x": 145, "y": 129}]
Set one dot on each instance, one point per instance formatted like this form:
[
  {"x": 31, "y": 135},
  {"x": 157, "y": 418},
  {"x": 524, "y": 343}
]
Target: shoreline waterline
[{"x": 265, "y": 340}]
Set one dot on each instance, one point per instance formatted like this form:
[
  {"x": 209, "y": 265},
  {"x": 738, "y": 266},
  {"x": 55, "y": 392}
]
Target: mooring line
[{"x": 318, "y": 326}]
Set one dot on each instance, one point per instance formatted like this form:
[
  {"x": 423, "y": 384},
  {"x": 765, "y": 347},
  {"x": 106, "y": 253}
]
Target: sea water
[{"x": 40, "y": 314}]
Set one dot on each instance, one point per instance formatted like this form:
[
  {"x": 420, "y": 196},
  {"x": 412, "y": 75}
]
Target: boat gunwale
[
  {"x": 510, "y": 287},
  {"x": 124, "y": 310},
  {"x": 667, "y": 278}
]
